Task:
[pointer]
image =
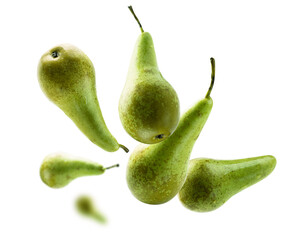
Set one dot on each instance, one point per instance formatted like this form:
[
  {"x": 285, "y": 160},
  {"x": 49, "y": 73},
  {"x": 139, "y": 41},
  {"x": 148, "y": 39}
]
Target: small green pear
[
  {"x": 86, "y": 207},
  {"x": 156, "y": 172},
  {"x": 149, "y": 106},
  {"x": 59, "y": 169},
  {"x": 210, "y": 183},
  {"x": 67, "y": 77}
]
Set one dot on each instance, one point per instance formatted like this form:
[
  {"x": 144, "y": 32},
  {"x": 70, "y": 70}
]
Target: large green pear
[
  {"x": 210, "y": 183},
  {"x": 156, "y": 172},
  {"x": 67, "y": 77},
  {"x": 149, "y": 106},
  {"x": 59, "y": 169}
]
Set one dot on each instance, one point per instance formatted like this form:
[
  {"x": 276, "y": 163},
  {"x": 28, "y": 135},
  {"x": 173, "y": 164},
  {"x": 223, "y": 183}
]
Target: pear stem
[
  {"x": 212, "y": 77},
  {"x": 124, "y": 148},
  {"x": 132, "y": 11},
  {"x": 116, "y": 165}
]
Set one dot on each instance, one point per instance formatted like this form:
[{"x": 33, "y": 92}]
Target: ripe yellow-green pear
[
  {"x": 156, "y": 172},
  {"x": 149, "y": 106},
  {"x": 67, "y": 77},
  {"x": 210, "y": 183},
  {"x": 59, "y": 169}
]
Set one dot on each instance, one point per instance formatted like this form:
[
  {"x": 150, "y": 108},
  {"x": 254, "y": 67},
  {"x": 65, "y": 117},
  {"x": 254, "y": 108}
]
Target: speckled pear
[
  {"x": 67, "y": 77},
  {"x": 59, "y": 169},
  {"x": 210, "y": 183},
  {"x": 156, "y": 172},
  {"x": 149, "y": 106},
  {"x": 85, "y": 206}
]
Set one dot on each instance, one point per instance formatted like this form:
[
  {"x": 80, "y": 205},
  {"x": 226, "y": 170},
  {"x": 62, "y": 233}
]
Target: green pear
[
  {"x": 149, "y": 106},
  {"x": 59, "y": 169},
  {"x": 67, "y": 77},
  {"x": 210, "y": 183},
  {"x": 156, "y": 172},
  {"x": 86, "y": 207}
]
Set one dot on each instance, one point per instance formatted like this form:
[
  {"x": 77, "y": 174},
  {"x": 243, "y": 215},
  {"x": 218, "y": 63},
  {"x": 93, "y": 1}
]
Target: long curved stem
[
  {"x": 212, "y": 77},
  {"x": 132, "y": 11}
]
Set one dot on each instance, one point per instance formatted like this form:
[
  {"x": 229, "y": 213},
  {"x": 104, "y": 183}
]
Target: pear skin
[
  {"x": 67, "y": 77},
  {"x": 156, "y": 172},
  {"x": 149, "y": 106},
  {"x": 210, "y": 183},
  {"x": 59, "y": 169}
]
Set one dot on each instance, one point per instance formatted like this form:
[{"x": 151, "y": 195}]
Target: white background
[{"x": 255, "y": 45}]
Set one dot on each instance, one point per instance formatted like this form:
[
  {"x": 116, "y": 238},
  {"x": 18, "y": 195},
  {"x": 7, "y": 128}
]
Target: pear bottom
[
  {"x": 210, "y": 183},
  {"x": 153, "y": 177}
]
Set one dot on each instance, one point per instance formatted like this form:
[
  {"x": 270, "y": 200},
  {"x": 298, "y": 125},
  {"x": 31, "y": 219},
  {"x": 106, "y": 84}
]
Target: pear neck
[
  {"x": 99, "y": 217},
  {"x": 145, "y": 55},
  {"x": 246, "y": 172},
  {"x": 86, "y": 168},
  {"x": 191, "y": 124}
]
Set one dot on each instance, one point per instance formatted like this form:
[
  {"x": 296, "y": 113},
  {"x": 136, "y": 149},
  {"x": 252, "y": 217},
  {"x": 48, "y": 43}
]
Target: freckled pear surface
[
  {"x": 156, "y": 173},
  {"x": 149, "y": 106},
  {"x": 67, "y": 77},
  {"x": 63, "y": 72},
  {"x": 210, "y": 183}
]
